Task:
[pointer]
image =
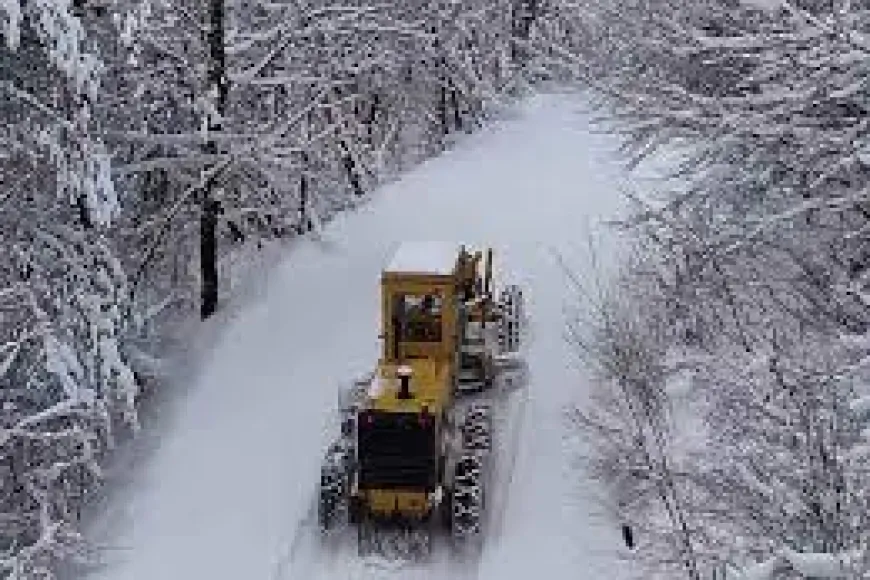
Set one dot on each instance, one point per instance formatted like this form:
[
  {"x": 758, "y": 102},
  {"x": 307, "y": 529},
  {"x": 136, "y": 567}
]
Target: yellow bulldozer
[{"x": 417, "y": 433}]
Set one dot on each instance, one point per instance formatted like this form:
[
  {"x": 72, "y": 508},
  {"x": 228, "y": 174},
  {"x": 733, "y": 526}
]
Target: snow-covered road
[{"x": 223, "y": 496}]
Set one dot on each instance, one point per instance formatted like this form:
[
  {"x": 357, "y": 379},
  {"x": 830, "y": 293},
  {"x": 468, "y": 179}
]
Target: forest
[
  {"x": 732, "y": 353},
  {"x": 150, "y": 148}
]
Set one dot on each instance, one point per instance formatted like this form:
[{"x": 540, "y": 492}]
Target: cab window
[{"x": 419, "y": 317}]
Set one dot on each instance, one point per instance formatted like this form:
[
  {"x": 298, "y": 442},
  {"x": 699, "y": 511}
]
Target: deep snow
[{"x": 222, "y": 497}]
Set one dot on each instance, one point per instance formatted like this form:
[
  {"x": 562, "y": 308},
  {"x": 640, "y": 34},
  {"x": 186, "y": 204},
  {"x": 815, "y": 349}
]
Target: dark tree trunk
[
  {"x": 209, "y": 204},
  {"x": 353, "y": 176},
  {"x": 304, "y": 224},
  {"x": 84, "y": 213},
  {"x": 443, "y": 111},
  {"x": 445, "y": 124},
  {"x": 628, "y": 536},
  {"x": 454, "y": 104},
  {"x": 372, "y": 117},
  {"x": 208, "y": 256},
  {"x": 350, "y": 168},
  {"x": 524, "y": 13}
]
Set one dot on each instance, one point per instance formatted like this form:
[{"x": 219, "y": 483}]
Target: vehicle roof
[{"x": 437, "y": 258}]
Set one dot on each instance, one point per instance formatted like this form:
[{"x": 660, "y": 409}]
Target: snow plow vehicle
[{"x": 415, "y": 450}]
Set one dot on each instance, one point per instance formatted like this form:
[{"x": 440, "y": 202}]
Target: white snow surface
[
  {"x": 424, "y": 258},
  {"x": 223, "y": 495}
]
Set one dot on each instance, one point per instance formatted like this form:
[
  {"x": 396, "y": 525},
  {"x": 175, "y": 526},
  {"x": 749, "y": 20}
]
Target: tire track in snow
[
  {"x": 291, "y": 548},
  {"x": 505, "y": 467}
]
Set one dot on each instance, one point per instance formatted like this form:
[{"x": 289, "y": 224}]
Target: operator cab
[{"x": 420, "y": 302}]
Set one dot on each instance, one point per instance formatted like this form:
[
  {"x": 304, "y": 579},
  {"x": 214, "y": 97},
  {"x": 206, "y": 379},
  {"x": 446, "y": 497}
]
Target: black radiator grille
[{"x": 396, "y": 450}]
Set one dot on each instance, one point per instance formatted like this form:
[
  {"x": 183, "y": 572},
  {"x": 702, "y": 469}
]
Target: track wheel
[
  {"x": 332, "y": 488},
  {"x": 467, "y": 499},
  {"x": 477, "y": 429},
  {"x": 512, "y": 307},
  {"x": 480, "y": 413},
  {"x": 477, "y": 438}
]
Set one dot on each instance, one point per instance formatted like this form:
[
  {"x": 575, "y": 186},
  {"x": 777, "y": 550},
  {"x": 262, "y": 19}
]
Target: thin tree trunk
[
  {"x": 217, "y": 85},
  {"x": 454, "y": 104},
  {"x": 350, "y": 168},
  {"x": 523, "y": 14},
  {"x": 304, "y": 221},
  {"x": 445, "y": 124}
]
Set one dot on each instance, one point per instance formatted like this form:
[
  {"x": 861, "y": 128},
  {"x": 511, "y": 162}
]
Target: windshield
[{"x": 419, "y": 317}]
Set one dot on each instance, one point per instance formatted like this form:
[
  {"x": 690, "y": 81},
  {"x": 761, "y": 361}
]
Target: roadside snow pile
[{"x": 807, "y": 565}]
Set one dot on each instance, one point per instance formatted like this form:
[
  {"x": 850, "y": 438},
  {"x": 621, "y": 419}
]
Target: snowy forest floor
[{"x": 219, "y": 485}]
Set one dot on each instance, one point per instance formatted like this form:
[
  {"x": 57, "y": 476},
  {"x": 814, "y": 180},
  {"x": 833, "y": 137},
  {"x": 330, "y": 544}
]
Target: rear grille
[{"x": 395, "y": 452}]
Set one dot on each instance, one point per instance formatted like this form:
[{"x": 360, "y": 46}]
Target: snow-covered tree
[
  {"x": 324, "y": 99},
  {"x": 630, "y": 423},
  {"x": 753, "y": 262},
  {"x": 65, "y": 383}
]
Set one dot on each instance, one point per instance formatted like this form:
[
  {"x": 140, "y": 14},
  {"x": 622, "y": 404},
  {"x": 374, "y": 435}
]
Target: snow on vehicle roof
[{"x": 425, "y": 258}]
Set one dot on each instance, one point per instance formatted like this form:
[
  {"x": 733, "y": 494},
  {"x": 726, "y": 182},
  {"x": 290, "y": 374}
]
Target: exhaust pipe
[{"x": 404, "y": 372}]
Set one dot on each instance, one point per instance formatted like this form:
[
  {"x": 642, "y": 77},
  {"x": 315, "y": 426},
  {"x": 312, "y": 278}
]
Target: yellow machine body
[
  {"x": 420, "y": 305},
  {"x": 398, "y": 504}
]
